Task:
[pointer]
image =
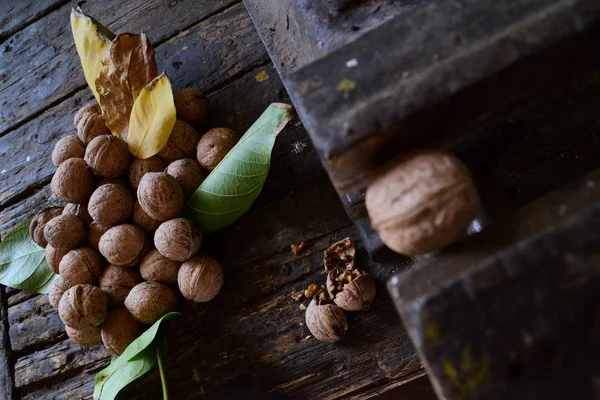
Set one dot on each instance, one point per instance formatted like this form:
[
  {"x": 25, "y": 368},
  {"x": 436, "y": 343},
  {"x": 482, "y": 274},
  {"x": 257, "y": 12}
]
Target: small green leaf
[
  {"x": 231, "y": 188},
  {"x": 23, "y": 263},
  {"x": 137, "y": 359}
]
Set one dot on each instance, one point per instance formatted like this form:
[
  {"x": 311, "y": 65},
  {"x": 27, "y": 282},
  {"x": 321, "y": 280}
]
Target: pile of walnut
[
  {"x": 120, "y": 248},
  {"x": 348, "y": 289}
]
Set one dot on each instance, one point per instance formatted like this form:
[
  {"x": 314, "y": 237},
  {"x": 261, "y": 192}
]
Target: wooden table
[{"x": 251, "y": 341}]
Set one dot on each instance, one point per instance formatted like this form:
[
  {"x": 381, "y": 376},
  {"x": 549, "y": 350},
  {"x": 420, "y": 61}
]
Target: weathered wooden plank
[
  {"x": 16, "y": 15},
  {"x": 19, "y": 297},
  {"x": 78, "y": 387},
  {"x": 54, "y": 72},
  {"x": 207, "y": 55},
  {"x": 6, "y": 368}
]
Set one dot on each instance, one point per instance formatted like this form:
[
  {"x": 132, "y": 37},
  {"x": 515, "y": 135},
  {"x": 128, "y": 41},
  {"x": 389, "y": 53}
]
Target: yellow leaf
[
  {"x": 91, "y": 40},
  {"x": 127, "y": 68},
  {"x": 152, "y": 118}
]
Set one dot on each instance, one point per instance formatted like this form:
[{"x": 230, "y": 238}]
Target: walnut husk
[
  {"x": 117, "y": 282},
  {"x": 67, "y": 147},
  {"x": 149, "y": 301},
  {"x": 54, "y": 256},
  {"x": 214, "y": 146},
  {"x": 73, "y": 181},
  {"x": 81, "y": 266},
  {"x": 89, "y": 123},
  {"x": 191, "y": 106},
  {"x": 351, "y": 290},
  {"x": 65, "y": 232},
  {"x": 158, "y": 268},
  {"x": 56, "y": 291},
  {"x": 340, "y": 255},
  {"x": 124, "y": 245},
  {"x": 188, "y": 173},
  {"x": 177, "y": 239},
  {"x": 200, "y": 279},
  {"x": 181, "y": 144},
  {"x": 143, "y": 220},
  {"x": 422, "y": 201},
  {"x": 141, "y": 167},
  {"x": 160, "y": 195},
  {"x": 326, "y": 321},
  {"x": 38, "y": 223},
  {"x": 80, "y": 211},
  {"x": 119, "y": 330},
  {"x": 95, "y": 232},
  {"x": 111, "y": 205},
  {"x": 85, "y": 337},
  {"x": 108, "y": 156},
  {"x": 83, "y": 307}
]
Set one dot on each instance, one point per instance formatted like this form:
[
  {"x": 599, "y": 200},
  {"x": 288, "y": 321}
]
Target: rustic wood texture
[
  {"x": 6, "y": 367},
  {"x": 16, "y": 15}
]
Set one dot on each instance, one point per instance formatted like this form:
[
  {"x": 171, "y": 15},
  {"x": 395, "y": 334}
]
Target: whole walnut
[
  {"x": 73, "y": 181},
  {"x": 54, "y": 256},
  {"x": 326, "y": 321},
  {"x": 191, "y": 106},
  {"x": 81, "y": 266},
  {"x": 89, "y": 122},
  {"x": 160, "y": 195},
  {"x": 149, "y": 301},
  {"x": 188, "y": 173},
  {"x": 181, "y": 144},
  {"x": 80, "y": 211},
  {"x": 200, "y": 279},
  {"x": 95, "y": 232},
  {"x": 117, "y": 282},
  {"x": 38, "y": 223},
  {"x": 141, "y": 167},
  {"x": 119, "y": 330},
  {"x": 214, "y": 146},
  {"x": 351, "y": 290},
  {"x": 83, "y": 307},
  {"x": 124, "y": 245},
  {"x": 67, "y": 147},
  {"x": 158, "y": 268},
  {"x": 143, "y": 220},
  {"x": 57, "y": 288},
  {"x": 65, "y": 231},
  {"x": 111, "y": 205},
  {"x": 108, "y": 156},
  {"x": 422, "y": 201},
  {"x": 177, "y": 239},
  {"x": 86, "y": 337}
]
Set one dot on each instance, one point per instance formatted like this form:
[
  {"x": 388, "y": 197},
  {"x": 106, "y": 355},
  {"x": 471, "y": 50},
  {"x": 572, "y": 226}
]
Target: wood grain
[
  {"x": 16, "y": 15},
  {"x": 6, "y": 369}
]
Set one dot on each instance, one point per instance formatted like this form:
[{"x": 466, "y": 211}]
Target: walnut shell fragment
[
  {"x": 326, "y": 321},
  {"x": 38, "y": 223},
  {"x": 149, "y": 301},
  {"x": 83, "y": 307},
  {"x": 73, "y": 181},
  {"x": 340, "y": 255},
  {"x": 119, "y": 330},
  {"x": 67, "y": 147},
  {"x": 351, "y": 290}
]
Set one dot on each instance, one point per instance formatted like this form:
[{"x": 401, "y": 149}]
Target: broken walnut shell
[
  {"x": 178, "y": 239},
  {"x": 82, "y": 307},
  {"x": 119, "y": 330},
  {"x": 65, "y": 232},
  {"x": 326, "y": 321},
  {"x": 67, "y": 147},
  {"x": 38, "y": 223},
  {"x": 117, "y": 282},
  {"x": 111, "y": 205},
  {"x": 124, "y": 245},
  {"x": 73, "y": 181},
  {"x": 340, "y": 255},
  {"x": 149, "y": 301},
  {"x": 351, "y": 290}
]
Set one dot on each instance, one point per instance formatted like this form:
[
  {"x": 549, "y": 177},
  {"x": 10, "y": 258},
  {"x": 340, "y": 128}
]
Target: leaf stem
[{"x": 163, "y": 379}]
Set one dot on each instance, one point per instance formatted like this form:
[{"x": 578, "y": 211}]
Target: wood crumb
[
  {"x": 297, "y": 248},
  {"x": 298, "y": 295}
]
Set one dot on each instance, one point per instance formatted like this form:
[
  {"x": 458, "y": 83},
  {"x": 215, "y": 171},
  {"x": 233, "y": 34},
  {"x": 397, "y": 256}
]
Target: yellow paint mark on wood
[
  {"x": 261, "y": 76},
  {"x": 184, "y": 48},
  {"x": 346, "y": 86}
]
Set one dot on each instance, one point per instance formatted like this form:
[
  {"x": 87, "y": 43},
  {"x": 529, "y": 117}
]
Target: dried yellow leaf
[
  {"x": 127, "y": 68},
  {"x": 91, "y": 41},
  {"x": 152, "y": 118}
]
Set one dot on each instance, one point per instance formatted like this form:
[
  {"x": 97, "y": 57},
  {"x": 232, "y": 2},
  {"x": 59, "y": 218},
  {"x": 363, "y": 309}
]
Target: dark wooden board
[
  {"x": 16, "y": 15},
  {"x": 6, "y": 361}
]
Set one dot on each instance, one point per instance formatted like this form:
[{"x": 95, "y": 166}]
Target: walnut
[
  {"x": 214, "y": 146},
  {"x": 160, "y": 195},
  {"x": 326, "y": 321},
  {"x": 422, "y": 201},
  {"x": 38, "y": 223},
  {"x": 81, "y": 266},
  {"x": 158, "y": 268},
  {"x": 188, "y": 173},
  {"x": 115, "y": 181},
  {"x": 191, "y": 106},
  {"x": 119, "y": 330},
  {"x": 57, "y": 289},
  {"x": 67, "y": 147},
  {"x": 86, "y": 337},
  {"x": 108, "y": 156},
  {"x": 314, "y": 290},
  {"x": 89, "y": 122},
  {"x": 111, "y": 205},
  {"x": 82, "y": 307},
  {"x": 143, "y": 220},
  {"x": 351, "y": 290},
  {"x": 95, "y": 232},
  {"x": 54, "y": 256},
  {"x": 181, "y": 144},
  {"x": 141, "y": 167},
  {"x": 149, "y": 301},
  {"x": 65, "y": 232},
  {"x": 80, "y": 211},
  {"x": 73, "y": 181},
  {"x": 177, "y": 239},
  {"x": 124, "y": 245},
  {"x": 200, "y": 278},
  {"x": 117, "y": 282},
  {"x": 340, "y": 255}
]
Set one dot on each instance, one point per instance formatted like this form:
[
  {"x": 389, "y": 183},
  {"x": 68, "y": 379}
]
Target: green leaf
[
  {"x": 231, "y": 188},
  {"x": 23, "y": 263},
  {"x": 137, "y": 359}
]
